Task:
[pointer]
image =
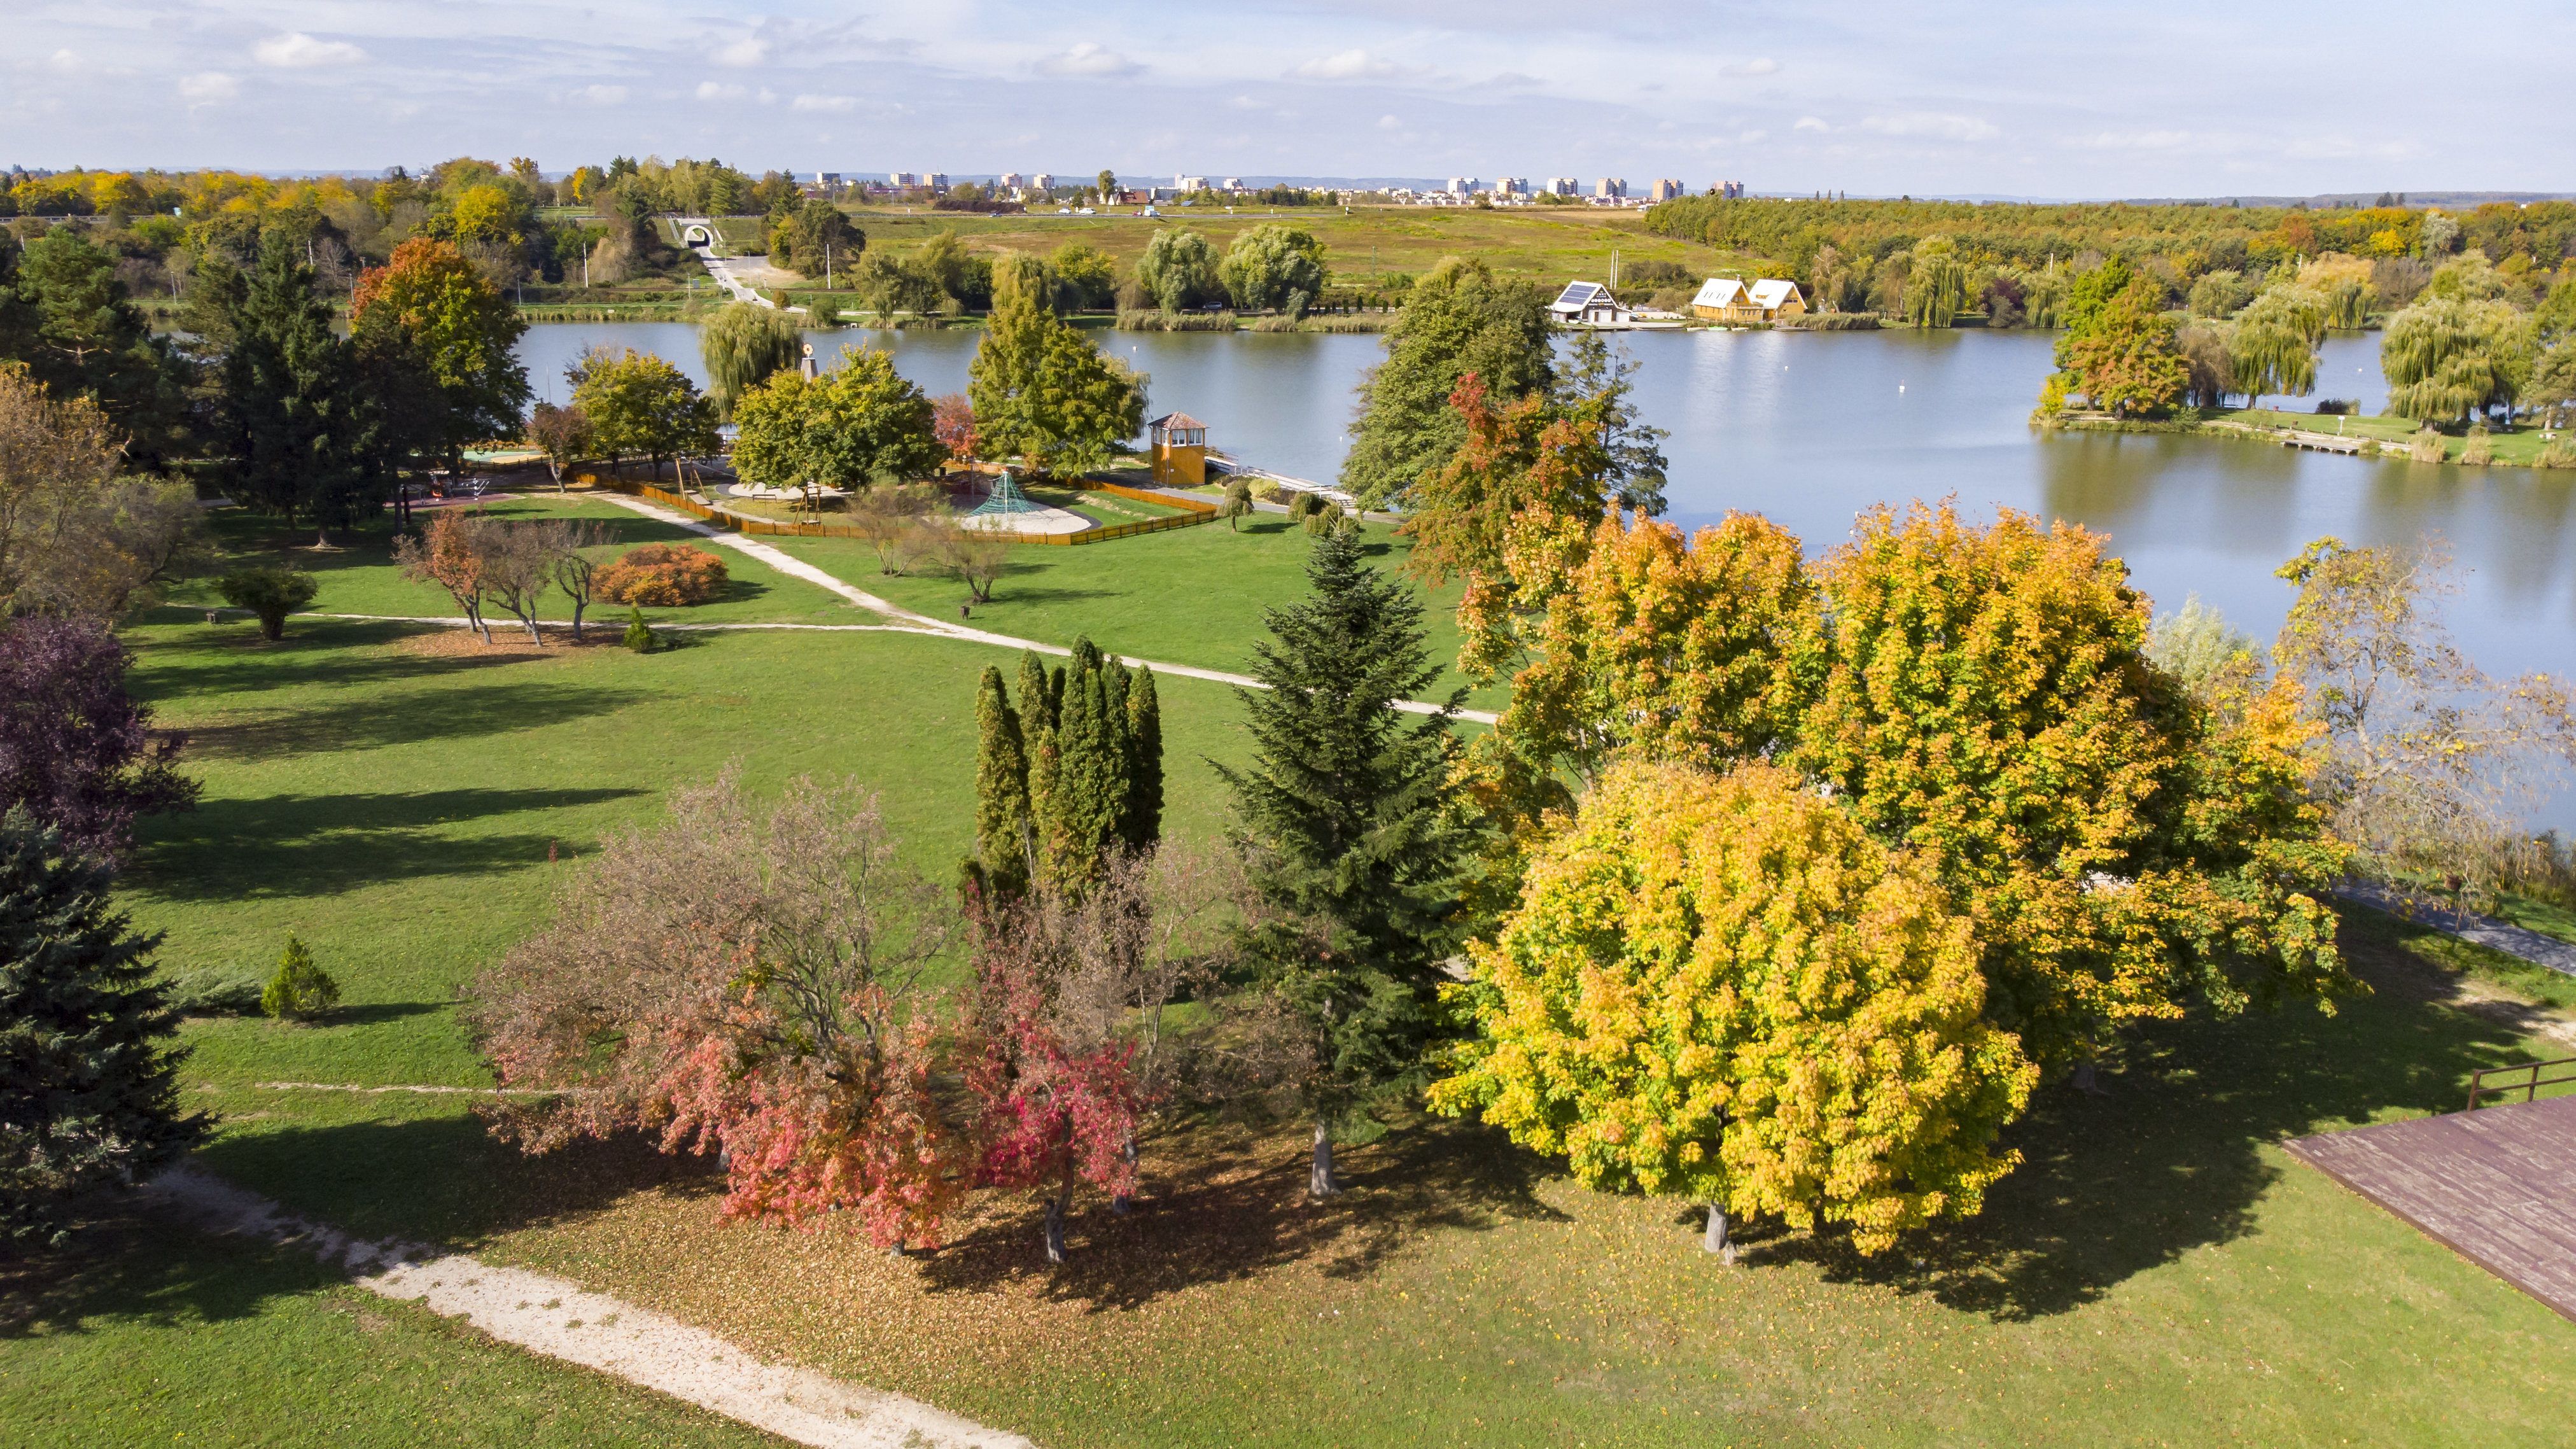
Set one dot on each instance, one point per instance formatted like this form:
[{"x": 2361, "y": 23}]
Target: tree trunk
[
  {"x": 1124, "y": 1203},
  {"x": 1055, "y": 1211},
  {"x": 533, "y": 636},
  {"x": 1715, "y": 1241},
  {"x": 576, "y": 620},
  {"x": 1319, "y": 1180},
  {"x": 2085, "y": 1082}
]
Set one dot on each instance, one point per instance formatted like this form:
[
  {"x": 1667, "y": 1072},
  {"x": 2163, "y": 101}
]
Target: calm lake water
[{"x": 1810, "y": 428}]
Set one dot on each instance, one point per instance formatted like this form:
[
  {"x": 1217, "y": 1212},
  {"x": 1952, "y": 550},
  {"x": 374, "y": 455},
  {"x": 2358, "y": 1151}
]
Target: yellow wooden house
[{"x": 1178, "y": 447}]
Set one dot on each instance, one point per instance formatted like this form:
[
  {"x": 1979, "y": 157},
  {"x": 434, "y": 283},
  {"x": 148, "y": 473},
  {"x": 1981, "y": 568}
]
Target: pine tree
[
  {"x": 1003, "y": 841},
  {"x": 1355, "y": 841},
  {"x": 89, "y": 1094},
  {"x": 303, "y": 434},
  {"x": 1145, "y": 768}
]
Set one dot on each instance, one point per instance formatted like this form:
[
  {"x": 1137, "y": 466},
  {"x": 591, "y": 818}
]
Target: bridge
[{"x": 699, "y": 234}]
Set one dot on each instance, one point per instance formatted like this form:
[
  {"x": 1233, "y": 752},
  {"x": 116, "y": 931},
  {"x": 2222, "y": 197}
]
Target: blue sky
[{"x": 2102, "y": 99}]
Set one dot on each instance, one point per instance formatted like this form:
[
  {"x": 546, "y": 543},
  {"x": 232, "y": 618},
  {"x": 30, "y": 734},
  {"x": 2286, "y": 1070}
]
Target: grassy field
[
  {"x": 2158, "y": 1271},
  {"x": 1371, "y": 243},
  {"x": 2521, "y": 447}
]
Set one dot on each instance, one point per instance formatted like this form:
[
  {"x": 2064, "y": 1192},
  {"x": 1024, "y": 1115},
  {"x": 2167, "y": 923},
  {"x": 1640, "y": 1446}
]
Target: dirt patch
[{"x": 507, "y": 642}]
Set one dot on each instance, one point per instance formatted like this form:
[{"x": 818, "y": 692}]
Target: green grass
[
  {"x": 2519, "y": 448},
  {"x": 2546, "y": 917},
  {"x": 360, "y": 577},
  {"x": 2157, "y": 1271},
  {"x": 1191, "y": 596},
  {"x": 143, "y": 1333}
]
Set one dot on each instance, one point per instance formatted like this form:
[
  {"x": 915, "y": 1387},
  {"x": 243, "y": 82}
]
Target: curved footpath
[
  {"x": 908, "y": 621},
  {"x": 560, "y": 1319}
]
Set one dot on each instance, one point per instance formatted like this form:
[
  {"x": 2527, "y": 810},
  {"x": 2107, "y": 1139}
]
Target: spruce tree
[
  {"x": 89, "y": 1094},
  {"x": 1003, "y": 842},
  {"x": 1354, "y": 837},
  {"x": 1145, "y": 768},
  {"x": 303, "y": 434}
]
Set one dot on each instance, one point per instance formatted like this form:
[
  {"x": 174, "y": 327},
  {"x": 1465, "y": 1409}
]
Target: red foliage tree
[
  {"x": 76, "y": 750},
  {"x": 952, "y": 421}
]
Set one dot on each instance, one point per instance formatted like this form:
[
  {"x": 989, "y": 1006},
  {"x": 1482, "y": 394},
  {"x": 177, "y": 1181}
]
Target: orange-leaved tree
[
  {"x": 1722, "y": 988},
  {"x": 428, "y": 319}
]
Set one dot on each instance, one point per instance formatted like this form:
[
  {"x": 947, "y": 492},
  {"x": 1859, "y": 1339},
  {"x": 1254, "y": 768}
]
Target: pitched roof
[
  {"x": 1717, "y": 292},
  {"x": 1176, "y": 420},
  {"x": 1771, "y": 292},
  {"x": 1579, "y": 295}
]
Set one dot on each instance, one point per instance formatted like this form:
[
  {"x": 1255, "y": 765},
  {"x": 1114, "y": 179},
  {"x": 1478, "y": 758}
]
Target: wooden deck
[{"x": 2497, "y": 1186}]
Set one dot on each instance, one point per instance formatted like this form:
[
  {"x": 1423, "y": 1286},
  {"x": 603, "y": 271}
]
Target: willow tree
[
  {"x": 2272, "y": 346},
  {"x": 1723, "y": 989},
  {"x": 1936, "y": 290},
  {"x": 2447, "y": 358},
  {"x": 743, "y": 345}
]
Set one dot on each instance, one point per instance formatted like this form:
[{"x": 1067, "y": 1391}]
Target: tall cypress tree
[
  {"x": 1145, "y": 769},
  {"x": 1353, "y": 832},
  {"x": 89, "y": 1094},
  {"x": 304, "y": 435},
  {"x": 1003, "y": 838}
]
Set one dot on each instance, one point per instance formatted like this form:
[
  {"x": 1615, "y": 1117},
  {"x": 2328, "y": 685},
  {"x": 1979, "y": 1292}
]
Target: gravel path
[
  {"x": 559, "y": 1319},
  {"x": 2503, "y": 936}
]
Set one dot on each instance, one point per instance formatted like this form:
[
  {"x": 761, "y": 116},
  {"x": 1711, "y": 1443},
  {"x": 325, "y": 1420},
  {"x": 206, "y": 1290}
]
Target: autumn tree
[
  {"x": 2125, "y": 357},
  {"x": 640, "y": 405},
  {"x": 77, "y": 751},
  {"x": 857, "y": 423},
  {"x": 1459, "y": 318},
  {"x": 2431, "y": 763},
  {"x": 457, "y": 334},
  {"x": 450, "y": 553},
  {"x": 751, "y": 982},
  {"x": 1348, "y": 818},
  {"x": 1041, "y": 391},
  {"x": 77, "y": 535},
  {"x": 952, "y": 422},
  {"x": 563, "y": 434},
  {"x": 1721, "y": 988}
]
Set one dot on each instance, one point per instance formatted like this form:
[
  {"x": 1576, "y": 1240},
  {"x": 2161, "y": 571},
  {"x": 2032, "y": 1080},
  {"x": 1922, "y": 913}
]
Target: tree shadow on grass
[
  {"x": 2171, "y": 1158},
  {"x": 411, "y": 717},
  {"x": 1223, "y": 1204},
  {"x": 125, "y": 1264},
  {"x": 277, "y": 846},
  {"x": 236, "y": 661}
]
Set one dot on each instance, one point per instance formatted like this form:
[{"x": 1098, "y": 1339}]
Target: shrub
[
  {"x": 2559, "y": 454},
  {"x": 1303, "y": 505},
  {"x": 665, "y": 575},
  {"x": 2427, "y": 447},
  {"x": 2480, "y": 451},
  {"x": 2331, "y": 406},
  {"x": 272, "y": 594},
  {"x": 639, "y": 635},
  {"x": 300, "y": 989}
]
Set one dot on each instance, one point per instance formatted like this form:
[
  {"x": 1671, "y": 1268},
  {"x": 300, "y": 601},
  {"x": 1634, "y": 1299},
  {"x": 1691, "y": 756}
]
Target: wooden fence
[{"x": 1195, "y": 511}]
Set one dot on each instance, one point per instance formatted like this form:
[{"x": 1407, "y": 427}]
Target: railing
[
  {"x": 1194, "y": 511},
  {"x": 2530, "y": 1085}
]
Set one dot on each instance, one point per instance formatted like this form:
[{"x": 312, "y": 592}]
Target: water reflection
[{"x": 1812, "y": 428}]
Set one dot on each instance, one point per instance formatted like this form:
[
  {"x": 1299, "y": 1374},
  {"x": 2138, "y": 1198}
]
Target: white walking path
[
  {"x": 560, "y": 1319},
  {"x": 922, "y": 623},
  {"x": 2497, "y": 935}
]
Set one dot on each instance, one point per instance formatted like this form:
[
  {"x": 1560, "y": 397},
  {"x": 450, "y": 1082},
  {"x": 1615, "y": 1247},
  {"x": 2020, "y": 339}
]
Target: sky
[{"x": 2103, "y": 99}]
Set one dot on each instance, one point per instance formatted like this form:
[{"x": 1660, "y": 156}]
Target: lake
[{"x": 1810, "y": 428}]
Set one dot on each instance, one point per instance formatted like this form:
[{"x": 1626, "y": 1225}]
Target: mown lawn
[
  {"x": 144, "y": 1333},
  {"x": 2157, "y": 1272},
  {"x": 2520, "y": 447},
  {"x": 1192, "y": 595}
]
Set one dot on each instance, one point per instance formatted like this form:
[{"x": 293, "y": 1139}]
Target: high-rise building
[
  {"x": 1043, "y": 181},
  {"x": 1234, "y": 183},
  {"x": 1564, "y": 186},
  {"x": 903, "y": 180},
  {"x": 935, "y": 180},
  {"x": 1013, "y": 181},
  {"x": 1187, "y": 184},
  {"x": 1666, "y": 190},
  {"x": 1727, "y": 189},
  {"x": 1511, "y": 186},
  {"x": 1610, "y": 188},
  {"x": 1460, "y": 185}
]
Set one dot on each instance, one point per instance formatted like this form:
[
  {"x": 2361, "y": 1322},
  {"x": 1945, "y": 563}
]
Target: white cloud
[
  {"x": 1933, "y": 124},
  {"x": 1389, "y": 123},
  {"x": 824, "y": 103},
  {"x": 2134, "y": 140},
  {"x": 717, "y": 91},
  {"x": 1749, "y": 137},
  {"x": 750, "y": 50},
  {"x": 1244, "y": 103},
  {"x": 63, "y": 62},
  {"x": 1091, "y": 59},
  {"x": 601, "y": 95},
  {"x": 296, "y": 50},
  {"x": 1343, "y": 65},
  {"x": 1810, "y": 123},
  {"x": 208, "y": 85},
  {"x": 1765, "y": 66}
]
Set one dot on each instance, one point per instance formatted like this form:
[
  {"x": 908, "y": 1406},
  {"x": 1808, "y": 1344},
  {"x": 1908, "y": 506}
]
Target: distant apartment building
[
  {"x": 1013, "y": 181},
  {"x": 1666, "y": 190},
  {"x": 935, "y": 180},
  {"x": 1187, "y": 184},
  {"x": 1564, "y": 186},
  {"x": 1043, "y": 181},
  {"x": 1610, "y": 188},
  {"x": 1731, "y": 190},
  {"x": 1460, "y": 185},
  {"x": 828, "y": 180},
  {"x": 1511, "y": 186},
  {"x": 903, "y": 180},
  {"x": 1234, "y": 184}
]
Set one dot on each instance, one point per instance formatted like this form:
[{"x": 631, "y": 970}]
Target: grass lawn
[
  {"x": 360, "y": 578},
  {"x": 1101, "y": 508},
  {"x": 147, "y": 1333},
  {"x": 1190, "y": 596},
  {"x": 2546, "y": 917},
  {"x": 2157, "y": 1271},
  {"x": 2520, "y": 447}
]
